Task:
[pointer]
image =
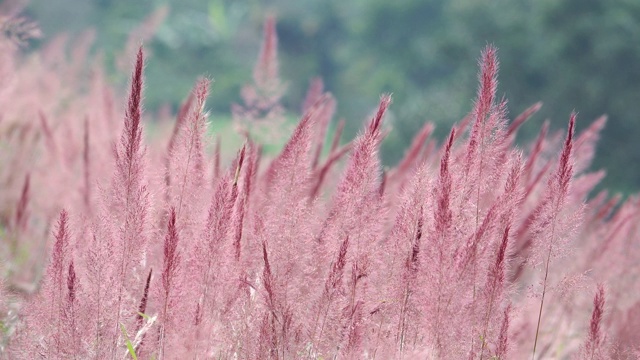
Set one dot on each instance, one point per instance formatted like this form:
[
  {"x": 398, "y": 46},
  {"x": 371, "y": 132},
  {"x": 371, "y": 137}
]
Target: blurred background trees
[{"x": 572, "y": 54}]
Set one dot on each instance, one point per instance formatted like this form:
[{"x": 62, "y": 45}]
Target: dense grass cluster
[{"x": 114, "y": 246}]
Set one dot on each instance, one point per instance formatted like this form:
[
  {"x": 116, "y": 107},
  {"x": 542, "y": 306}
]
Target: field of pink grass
[{"x": 116, "y": 245}]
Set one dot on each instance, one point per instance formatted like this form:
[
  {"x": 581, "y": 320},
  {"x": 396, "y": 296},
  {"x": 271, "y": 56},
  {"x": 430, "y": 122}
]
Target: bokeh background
[{"x": 569, "y": 54}]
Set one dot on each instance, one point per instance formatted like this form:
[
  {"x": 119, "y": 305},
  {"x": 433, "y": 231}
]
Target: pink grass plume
[
  {"x": 594, "y": 347},
  {"x": 129, "y": 207}
]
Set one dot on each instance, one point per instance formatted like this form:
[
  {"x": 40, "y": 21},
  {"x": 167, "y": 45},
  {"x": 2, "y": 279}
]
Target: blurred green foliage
[{"x": 571, "y": 54}]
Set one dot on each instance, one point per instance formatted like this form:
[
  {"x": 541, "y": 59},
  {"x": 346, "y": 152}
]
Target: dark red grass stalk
[
  {"x": 71, "y": 283},
  {"x": 503, "y": 339},
  {"x": 216, "y": 159},
  {"x": 595, "y": 337},
  {"x": 374, "y": 125},
  {"x": 238, "y": 167},
  {"x": 383, "y": 183},
  {"x": 21, "y": 209},
  {"x": 71, "y": 308},
  {"x": 443, "y": 214},
  {"x": 169, "y": 272},
  {"x": 267, "y": 279},
  {"x": 132, "y": 134},
  {"x": 243, "y": 203},
  {"x": 565, "y": 170},
  {"x": 142, "y": 308}
]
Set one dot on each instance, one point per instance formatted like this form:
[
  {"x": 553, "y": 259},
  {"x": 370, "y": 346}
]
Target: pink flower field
[{"x": 130, "y": 235}]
